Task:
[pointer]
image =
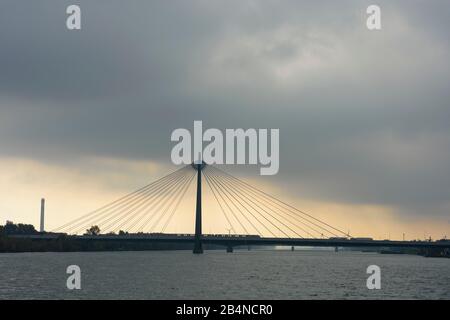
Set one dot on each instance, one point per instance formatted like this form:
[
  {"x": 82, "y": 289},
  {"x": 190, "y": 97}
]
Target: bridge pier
[
  {"x": 229, "y": 249},
  {"x": 198, "y": 247}
]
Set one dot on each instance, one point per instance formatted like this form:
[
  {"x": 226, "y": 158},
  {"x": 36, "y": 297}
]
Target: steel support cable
[
  {"x": 282, "y": 209},
  {"x": 137, "y": 214},
  {"x": 237, "y": 207},
  {"x": 120, "y": 216},
  {"x": 173, "y": 200},
  {"x": 108, "y": 216},
  {"x": 165, "y": 206},
  {"x": 159, "y": 206},
  {"x": 287, "y": 205},
  {"x": 220, "y": 205},
  {"x": 102, "y": 209},
  {"x": 123, "y": 217},
  {"x": 116, "y": 202},
  {"x": 180, "y": 198},
  {"x": 259, "y": 213},
  {"x": 252, "y": 197},
  {"x": 245, "y": 195},
  {"x": 149, "y": 206},
  {"x": 129, "y": 203},
  {"x": 228, "y": 206},
  {"x": 230, "y": 191},
  {"x": 178, "y": 203},
  {"x": 156, "y": 207},
  {"x": 166, "y": 201}
]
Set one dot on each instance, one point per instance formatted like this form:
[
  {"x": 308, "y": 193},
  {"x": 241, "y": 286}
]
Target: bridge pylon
[{"x": 198, "y": 247}]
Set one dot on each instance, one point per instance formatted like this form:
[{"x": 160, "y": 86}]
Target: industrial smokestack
[{"x": 41, "y": 229}]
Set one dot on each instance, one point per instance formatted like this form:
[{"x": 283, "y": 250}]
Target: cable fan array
[
  {"x": 249, "y": 210},
  {"x": 150, "y": 208},
  {"x": 246, "y": 209}
]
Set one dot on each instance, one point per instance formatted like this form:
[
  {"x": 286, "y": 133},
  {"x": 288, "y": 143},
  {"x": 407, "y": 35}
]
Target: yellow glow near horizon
[{"x": 70, "y": 193}]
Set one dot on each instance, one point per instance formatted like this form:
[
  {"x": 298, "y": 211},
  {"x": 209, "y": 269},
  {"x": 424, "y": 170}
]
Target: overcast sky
[{"x": 364, "y": 116}]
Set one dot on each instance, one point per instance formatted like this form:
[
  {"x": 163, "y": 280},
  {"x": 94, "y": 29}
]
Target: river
[{"x": 256, "y": 274}]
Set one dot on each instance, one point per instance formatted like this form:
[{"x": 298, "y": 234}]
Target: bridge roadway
[{"x": 233, "y": 241}]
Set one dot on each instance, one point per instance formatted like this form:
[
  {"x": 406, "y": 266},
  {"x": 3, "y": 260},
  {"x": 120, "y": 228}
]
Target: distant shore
[{"x": 66, "y": 243}]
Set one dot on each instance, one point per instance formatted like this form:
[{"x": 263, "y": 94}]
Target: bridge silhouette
[{"x": 252, "y": 216}]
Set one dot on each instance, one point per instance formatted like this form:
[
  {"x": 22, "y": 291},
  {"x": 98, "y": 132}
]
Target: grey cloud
[{"x": 364, "y": 117}]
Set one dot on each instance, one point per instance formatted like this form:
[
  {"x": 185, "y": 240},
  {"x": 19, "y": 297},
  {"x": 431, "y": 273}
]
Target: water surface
[{"x": 220, "y": 275}]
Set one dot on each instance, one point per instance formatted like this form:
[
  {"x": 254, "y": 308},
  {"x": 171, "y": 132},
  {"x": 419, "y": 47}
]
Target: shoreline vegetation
[{"x": 12, "y": 242}]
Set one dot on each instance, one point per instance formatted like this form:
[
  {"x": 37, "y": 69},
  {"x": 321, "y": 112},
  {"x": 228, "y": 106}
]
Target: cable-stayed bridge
[{"x": 250, "y": 215}]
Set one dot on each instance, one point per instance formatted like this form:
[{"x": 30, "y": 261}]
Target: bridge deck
[{"x": 251, "y": 240}]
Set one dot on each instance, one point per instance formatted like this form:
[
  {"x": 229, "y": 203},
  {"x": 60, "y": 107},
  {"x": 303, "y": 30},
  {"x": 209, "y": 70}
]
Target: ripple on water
[{"x": 218, "y": 275}]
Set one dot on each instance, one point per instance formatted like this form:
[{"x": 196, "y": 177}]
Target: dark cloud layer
[{"x": 363, "y": 116}]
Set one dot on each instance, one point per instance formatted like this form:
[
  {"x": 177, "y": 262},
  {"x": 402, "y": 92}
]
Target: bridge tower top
[{"x": 198, "y": 165}]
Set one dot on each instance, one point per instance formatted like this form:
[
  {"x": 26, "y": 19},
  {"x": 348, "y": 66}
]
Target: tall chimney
[{"x": 41, "y": 229}]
